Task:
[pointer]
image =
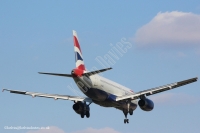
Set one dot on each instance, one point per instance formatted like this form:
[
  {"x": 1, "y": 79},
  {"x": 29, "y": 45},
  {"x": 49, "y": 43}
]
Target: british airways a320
[{"x": 102, "y": 91}]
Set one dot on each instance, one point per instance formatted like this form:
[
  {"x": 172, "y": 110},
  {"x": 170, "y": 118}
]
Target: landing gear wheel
[
  {"x": 82, "y": 115},
  {"x": 126, "y": 121},
  {"x": 125, "y": 113},
  {"x": 87, "y": 114}
]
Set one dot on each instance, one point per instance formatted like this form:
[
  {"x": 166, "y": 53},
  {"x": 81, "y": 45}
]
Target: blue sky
[{"x": 37, "y": 36}]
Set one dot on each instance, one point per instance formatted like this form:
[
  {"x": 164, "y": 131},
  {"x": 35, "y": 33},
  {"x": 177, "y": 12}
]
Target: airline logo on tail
[{"x": 78, "y": 53}]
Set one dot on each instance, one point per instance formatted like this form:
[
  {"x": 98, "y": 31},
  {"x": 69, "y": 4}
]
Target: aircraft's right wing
[
  {"x": 55, "y": 96},
  {"x": 157, "y": 89}
]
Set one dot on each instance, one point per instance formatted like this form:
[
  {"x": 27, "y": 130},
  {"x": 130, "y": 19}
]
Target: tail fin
[{"x": 78, "y": 53}]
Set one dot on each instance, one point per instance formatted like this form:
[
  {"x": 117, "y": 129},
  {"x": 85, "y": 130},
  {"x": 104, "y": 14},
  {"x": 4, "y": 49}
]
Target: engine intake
[{"x": 146, "y": 104}]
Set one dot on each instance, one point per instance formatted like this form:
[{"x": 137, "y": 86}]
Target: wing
[
  {"x": 55, "y": 96},
  {"x": 157, "y": 89}
]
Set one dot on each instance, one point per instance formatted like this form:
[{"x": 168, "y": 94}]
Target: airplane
[{"x": 102, "y": 91}]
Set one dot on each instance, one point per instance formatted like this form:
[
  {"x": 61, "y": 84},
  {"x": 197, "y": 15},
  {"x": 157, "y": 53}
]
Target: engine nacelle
[
  {"x": 80, "y": 107},
  {"x": 146, "y": 104}
]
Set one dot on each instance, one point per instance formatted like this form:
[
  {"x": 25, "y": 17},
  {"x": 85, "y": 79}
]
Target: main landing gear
[
  {"x": 86, "y": 110},
  {"x": 82, "y": 109},
  {"x": 126, "y": 111},
  {"x": 85, "y": 113}
]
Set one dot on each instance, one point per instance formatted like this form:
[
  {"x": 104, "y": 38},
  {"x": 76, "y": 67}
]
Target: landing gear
[
  {"x": 126, "y": 121},
  {"x": 85, "y": 110},
  {"x": 82, "y": 115},
  {"x": 127, "y": 110},
  {"x": 87, "y": 114},
  {"x": 126, "y": 113}
]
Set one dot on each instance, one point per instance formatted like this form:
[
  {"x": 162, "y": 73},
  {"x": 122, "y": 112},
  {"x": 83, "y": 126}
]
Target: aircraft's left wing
[
  {"x": 54, "y": 96},
  {"x": 157, "y": 89}
]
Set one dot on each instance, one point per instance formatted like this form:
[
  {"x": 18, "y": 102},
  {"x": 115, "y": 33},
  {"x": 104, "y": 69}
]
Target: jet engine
[
  {"x": 82, "y": 109},
  {"x": 146, "y": 104}
]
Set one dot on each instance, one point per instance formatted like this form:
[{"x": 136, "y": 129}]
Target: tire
[
  {"x": 87, "y": 114},
  {"x": 82, "y": 115}
]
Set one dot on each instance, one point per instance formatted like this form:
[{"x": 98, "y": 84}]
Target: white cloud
[
  {"x": 51, "y": 129},
  {"x": 54, "y": 129},
  {"x": 174, "y": 99},
  {"x": 102, "y": 130},
  {"x": 170, "y": 29}
]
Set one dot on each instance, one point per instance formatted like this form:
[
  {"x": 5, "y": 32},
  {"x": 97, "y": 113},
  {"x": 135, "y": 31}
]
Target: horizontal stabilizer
[
  {"x": 57, "y": 74},
  {"x": 69, "y": 75},
  {"x": 96, "y": 72}
]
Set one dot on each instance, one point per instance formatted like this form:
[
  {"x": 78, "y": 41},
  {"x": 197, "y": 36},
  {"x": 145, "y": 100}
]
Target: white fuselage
[{"x": 104, "y": 91}]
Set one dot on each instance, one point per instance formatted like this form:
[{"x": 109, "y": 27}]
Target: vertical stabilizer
[{"x": 78, "y": 54}]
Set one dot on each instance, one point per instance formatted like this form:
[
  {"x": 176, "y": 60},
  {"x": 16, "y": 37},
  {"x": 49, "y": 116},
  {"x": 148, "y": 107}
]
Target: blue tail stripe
[{"x": 78, "y": 57}]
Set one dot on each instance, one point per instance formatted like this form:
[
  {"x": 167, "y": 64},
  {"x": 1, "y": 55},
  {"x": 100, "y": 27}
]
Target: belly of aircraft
[
  {"x": 104, "y": 99},
  {"x": 97, "y": 94}
]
